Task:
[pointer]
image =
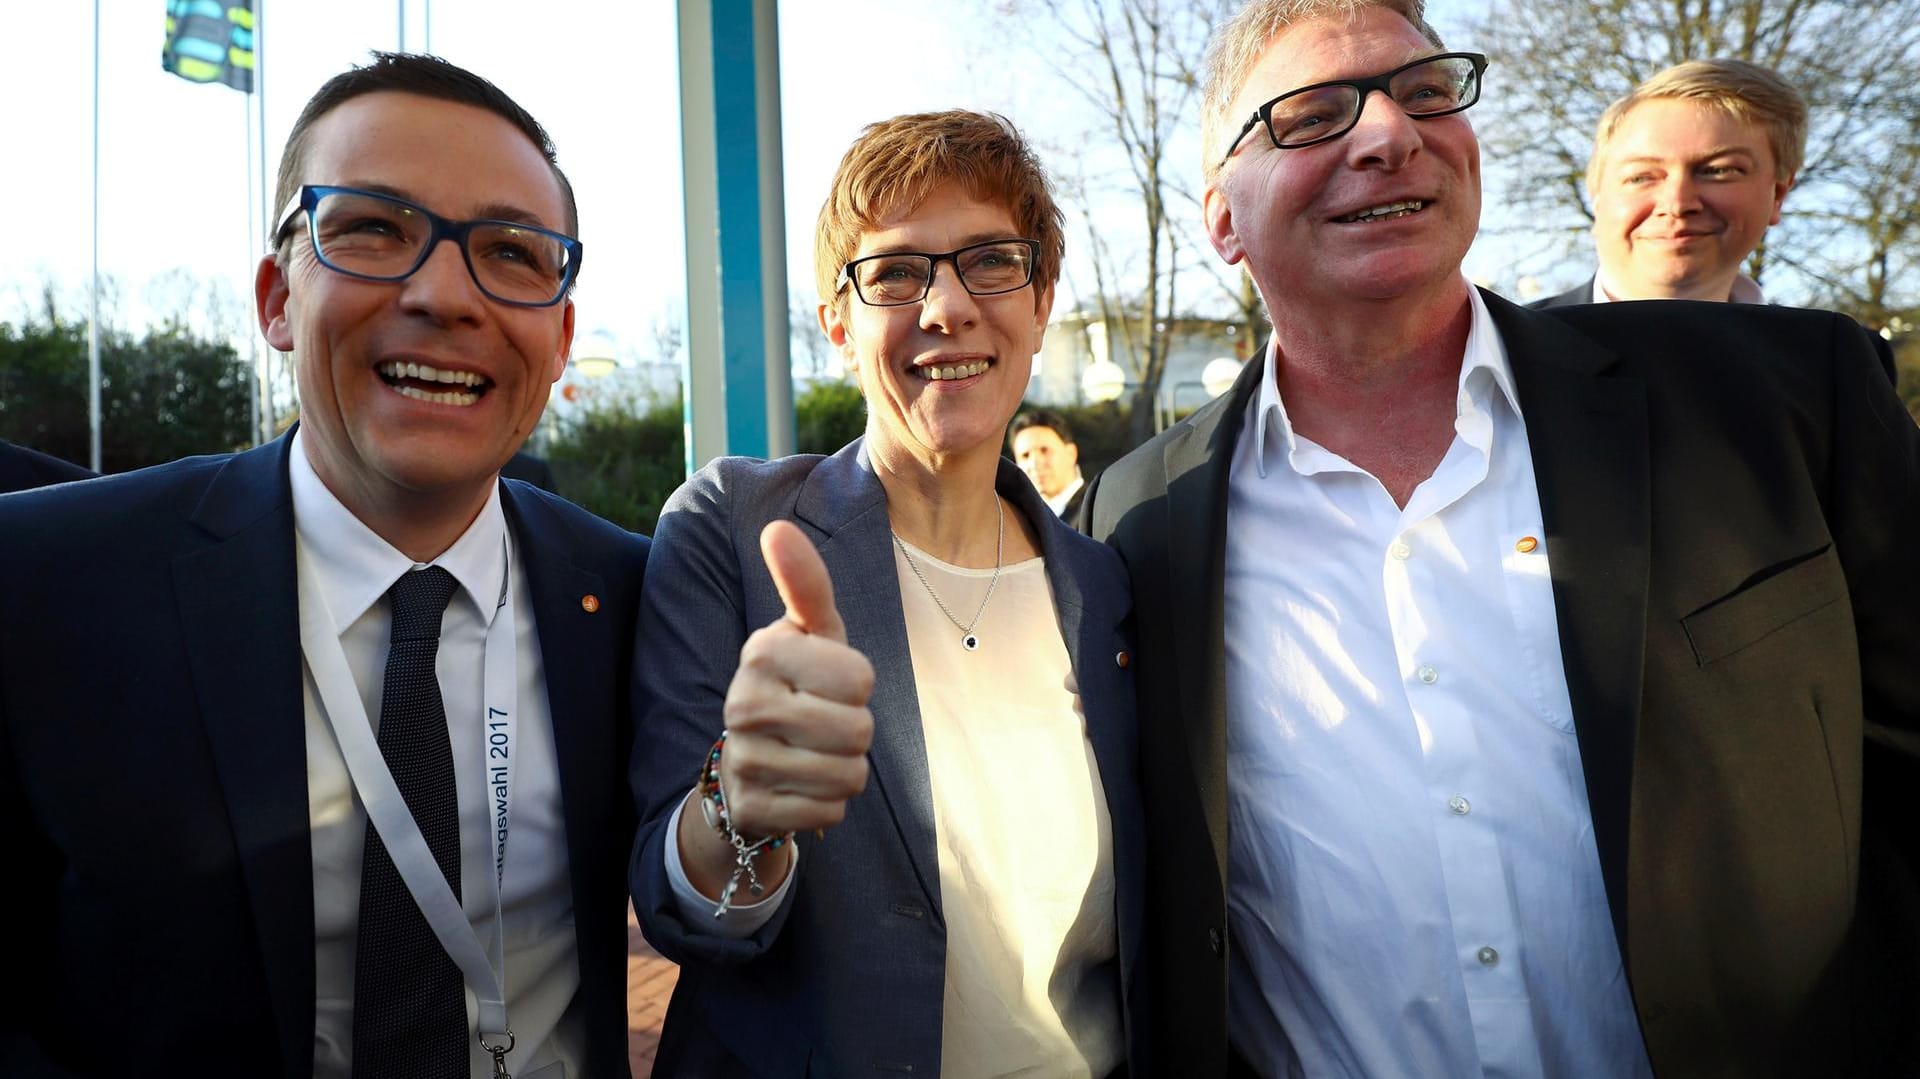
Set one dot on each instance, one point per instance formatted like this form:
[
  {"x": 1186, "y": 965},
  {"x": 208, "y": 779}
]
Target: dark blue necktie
[{"x": 409, "y": 1000}]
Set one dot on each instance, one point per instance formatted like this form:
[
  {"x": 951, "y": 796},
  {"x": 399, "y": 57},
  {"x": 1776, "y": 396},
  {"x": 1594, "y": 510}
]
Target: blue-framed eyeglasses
[
  {"x": 378, "y": 237},
  {"x": 1430, "y": 87}
]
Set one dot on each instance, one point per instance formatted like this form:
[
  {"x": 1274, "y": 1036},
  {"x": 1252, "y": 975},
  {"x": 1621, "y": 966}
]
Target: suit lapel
[
  {"x": 1197, "y": 462},
  {"x": 576, "y": 661},
  {"x": 844, "y": 502},
  {"x": 239, "y": 618},
  {"x": 1588, "y": 432}
]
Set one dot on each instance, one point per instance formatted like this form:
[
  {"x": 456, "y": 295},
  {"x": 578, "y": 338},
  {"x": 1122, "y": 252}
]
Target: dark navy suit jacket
[
  {"x": 23, "y": 469},
  {"x": 159, "y": 884},
  {"x": 848, "y": 978}
]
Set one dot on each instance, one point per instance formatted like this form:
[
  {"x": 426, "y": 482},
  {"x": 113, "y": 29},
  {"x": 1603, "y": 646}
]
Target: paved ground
[{"x": 649, "y": 983}]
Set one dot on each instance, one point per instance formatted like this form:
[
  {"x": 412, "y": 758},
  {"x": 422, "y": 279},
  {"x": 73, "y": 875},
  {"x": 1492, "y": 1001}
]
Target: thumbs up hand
[{"x": 797, "y": 722}]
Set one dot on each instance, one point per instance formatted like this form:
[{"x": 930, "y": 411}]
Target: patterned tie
[{"x": 409, "y": 1000}]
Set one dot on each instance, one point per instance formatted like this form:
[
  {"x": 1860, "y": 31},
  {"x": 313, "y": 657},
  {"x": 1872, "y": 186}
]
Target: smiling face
[
  {"x": 1682, "y": 197},
  {"x": 1384, "y": 211},
  {"x": 421, "y": 386},
  {"x": 942, "y": 376}
]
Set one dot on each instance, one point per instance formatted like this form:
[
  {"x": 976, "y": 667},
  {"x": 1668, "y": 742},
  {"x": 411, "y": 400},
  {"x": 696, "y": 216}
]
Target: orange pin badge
[
  {"x": 1526, "y": 545},
  {"x": 589, "y": 603}
]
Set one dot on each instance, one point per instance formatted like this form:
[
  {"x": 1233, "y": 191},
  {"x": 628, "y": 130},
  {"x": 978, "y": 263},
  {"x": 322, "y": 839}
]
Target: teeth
[
  {"x": 450, "y": 397},
  {"x": 1391, "y": 209},
  {"x": 396, "y": 369},
  {"x": 965, "y": 370}
]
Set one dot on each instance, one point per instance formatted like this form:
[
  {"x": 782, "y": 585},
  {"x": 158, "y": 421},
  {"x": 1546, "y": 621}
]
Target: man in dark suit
[
  {"x": 22, "y": 469},
  {"x": 1042, "y": 445},
  {"x": 1506, "y": 676},
  {"x": 221, "y": 866}
]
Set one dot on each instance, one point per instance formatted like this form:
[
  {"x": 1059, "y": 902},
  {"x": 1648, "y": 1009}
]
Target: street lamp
[
  {"x": 1103, "y": 381},
  {"x": 1218, "y": 375}
]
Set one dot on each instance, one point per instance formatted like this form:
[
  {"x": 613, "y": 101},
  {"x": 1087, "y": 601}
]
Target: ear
[
  {"x": 834, "y": 325},
  {"x": 270, "y": 303},
  {"x": 1780, "y": 189},
  {"x": 565, "y": 348},
  {"x": 1042, "y": 314},
  {"x": 1219, "y": 217}
]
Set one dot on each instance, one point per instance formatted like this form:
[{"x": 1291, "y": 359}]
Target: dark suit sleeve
[
  {"x": 692, "y": 627},
  {"x": 1875, "y": 523}
]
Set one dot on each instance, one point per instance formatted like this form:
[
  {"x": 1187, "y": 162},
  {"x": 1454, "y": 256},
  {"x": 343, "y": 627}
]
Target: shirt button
[
  {"x": 1460, "y": 806},
  {"x": 1400, "y": 551},
  {"x": 1488, "y": 957},
  {"x": 1427, "y": 674}
]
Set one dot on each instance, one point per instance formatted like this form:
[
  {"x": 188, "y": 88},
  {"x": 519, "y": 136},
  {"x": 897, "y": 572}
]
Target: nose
[
  {"x": 443, "y": 288},
  {"x": 1678, "y": 195},
  {"x": 1384, "y": 136},
  {"x": 948, "y": 307}
]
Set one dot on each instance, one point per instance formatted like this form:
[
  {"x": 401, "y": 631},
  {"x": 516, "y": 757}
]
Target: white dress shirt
[
  {"x": 1413, "y": 885},
  {"x": 1058, "y": 503},
  {"x": 354, "y": 567},
  {"x": 1745, "y": 290}
]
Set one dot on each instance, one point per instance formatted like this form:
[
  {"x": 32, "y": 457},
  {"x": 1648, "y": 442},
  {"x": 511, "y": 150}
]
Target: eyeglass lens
[
  {"x": 1441, "y": 85},
  {"x": 985, "y": 269},
  {"x": 378, "y": 237}
]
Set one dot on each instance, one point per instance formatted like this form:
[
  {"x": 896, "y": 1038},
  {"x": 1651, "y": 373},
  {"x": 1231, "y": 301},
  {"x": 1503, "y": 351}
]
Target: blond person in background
[{"x": 1688, "y": 172}]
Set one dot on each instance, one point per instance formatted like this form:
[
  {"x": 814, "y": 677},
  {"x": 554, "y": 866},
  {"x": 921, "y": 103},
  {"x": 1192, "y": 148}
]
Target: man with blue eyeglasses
[
  {"x": 315, "y": 755},
  {"x": 1511, "y": 682}
]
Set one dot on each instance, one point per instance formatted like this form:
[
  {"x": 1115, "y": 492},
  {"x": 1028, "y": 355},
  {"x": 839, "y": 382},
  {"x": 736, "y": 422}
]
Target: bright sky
[{"x": 602, "y": 76}]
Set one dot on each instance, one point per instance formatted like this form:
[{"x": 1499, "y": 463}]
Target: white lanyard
[{"x": 346, "y": 713}]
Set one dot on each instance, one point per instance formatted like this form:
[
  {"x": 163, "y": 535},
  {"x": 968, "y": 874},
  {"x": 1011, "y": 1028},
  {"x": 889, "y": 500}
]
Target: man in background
[
  {"x": 1688, "y": 172},
  {"x": 1044, "y": 449}
]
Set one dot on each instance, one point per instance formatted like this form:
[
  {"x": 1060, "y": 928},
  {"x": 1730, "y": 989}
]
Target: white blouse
[{"x": 1025, "y": 843}]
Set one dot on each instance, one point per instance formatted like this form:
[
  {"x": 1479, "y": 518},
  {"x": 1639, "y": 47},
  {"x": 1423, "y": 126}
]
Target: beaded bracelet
[{"x": 713, "y": 807}]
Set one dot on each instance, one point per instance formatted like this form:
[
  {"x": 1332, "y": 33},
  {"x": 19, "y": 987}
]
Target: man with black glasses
[
  {"x": 1506, "y": 676},
  {"x": 315, "y": 755}
]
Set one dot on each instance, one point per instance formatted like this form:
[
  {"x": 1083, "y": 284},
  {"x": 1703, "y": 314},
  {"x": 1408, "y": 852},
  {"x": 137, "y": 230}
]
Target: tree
[
  {"x": 168, "y": 394},
  {"x": 1136, "y": 64},
  {"x": 1850, "y": 234}
]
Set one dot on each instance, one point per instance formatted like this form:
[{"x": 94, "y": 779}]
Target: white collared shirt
[
  {"x": 1745, "y": 290},
  {"x": 1413, "y": 885},
  {"x": 355, "y": 567},
  {"x": 1058, "y": 503}
]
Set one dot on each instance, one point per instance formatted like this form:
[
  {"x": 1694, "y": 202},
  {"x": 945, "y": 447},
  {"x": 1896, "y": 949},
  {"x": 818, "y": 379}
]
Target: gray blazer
[{"x": 848, "y": 978}]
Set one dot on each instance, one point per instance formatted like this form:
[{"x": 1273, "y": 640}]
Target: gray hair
[{"x": 1240, "y": 42}]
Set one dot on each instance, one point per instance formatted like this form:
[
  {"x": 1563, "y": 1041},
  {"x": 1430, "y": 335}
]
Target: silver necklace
[{"x": 968, "y": 639}]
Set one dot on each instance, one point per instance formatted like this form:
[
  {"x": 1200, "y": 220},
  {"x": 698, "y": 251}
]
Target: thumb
[{"x": 802, "y": 579}]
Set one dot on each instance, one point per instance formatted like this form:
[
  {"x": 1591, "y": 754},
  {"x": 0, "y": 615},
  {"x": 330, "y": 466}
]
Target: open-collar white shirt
[
  {"x": 353, "y": 566},
  {"x": 1413, "y": 884}
]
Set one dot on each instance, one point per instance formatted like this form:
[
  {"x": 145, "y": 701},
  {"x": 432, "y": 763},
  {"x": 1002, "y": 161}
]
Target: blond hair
[
  {"x": 895, "y": 164},
  {"x": 1747, "y": 92},
  {"x": 1242, "y": 40}
]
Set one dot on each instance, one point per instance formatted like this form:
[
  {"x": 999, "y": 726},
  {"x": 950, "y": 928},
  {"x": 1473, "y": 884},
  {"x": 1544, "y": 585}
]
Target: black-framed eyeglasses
[
  {"x": 1431, "y": 86},
  {"x": 903, "y": 277},
  {"x": 378, "y": 237}
]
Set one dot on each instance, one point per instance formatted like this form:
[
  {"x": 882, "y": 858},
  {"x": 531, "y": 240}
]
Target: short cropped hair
[
  {"x": 1748, "y": 93},
  {"x": 1242, "y": 40},
  {"x": 895, "y": 164},
  {"x": 427, "y": 76},
  {"x": 1039, "y": 417}
]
